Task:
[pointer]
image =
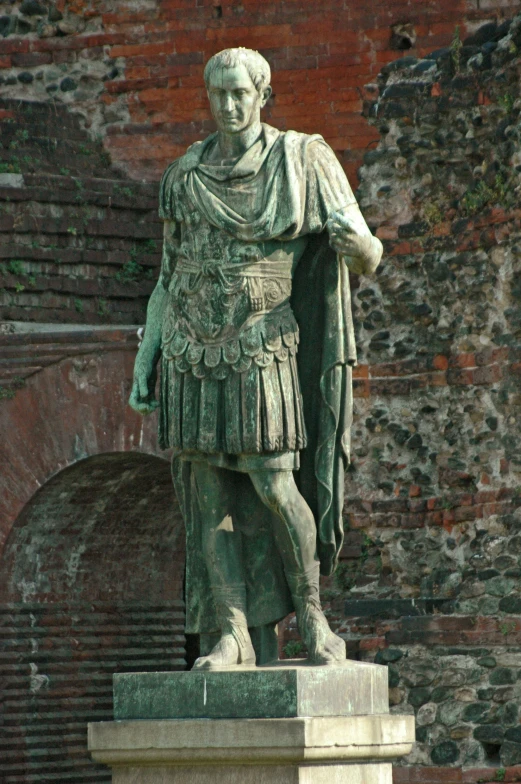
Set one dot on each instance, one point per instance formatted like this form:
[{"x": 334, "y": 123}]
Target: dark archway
[{"x": 91, "y": 584}]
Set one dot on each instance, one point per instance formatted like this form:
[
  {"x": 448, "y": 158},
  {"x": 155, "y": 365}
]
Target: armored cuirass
[{"x": 228, "y": 301}]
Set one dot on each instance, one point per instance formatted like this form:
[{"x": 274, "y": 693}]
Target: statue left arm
[
  {"x": 329, "y": 191},
  {"x": 350, "y": 236}
]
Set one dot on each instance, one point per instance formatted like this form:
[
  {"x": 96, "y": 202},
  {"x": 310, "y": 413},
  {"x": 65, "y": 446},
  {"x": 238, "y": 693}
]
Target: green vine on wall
[
  {"x": 133, "y": 270},
  {"x": 455, "y": 50},
  {"x": 483, "y": 194},
  {"x": 9, "y": 391}
]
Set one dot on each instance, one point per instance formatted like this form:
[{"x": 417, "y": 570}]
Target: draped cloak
[{"x": 284, "y": 187}]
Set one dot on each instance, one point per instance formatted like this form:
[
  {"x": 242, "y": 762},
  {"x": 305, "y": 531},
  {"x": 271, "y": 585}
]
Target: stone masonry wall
[
  {"x": 133, "y": 70},
  {"x": 429, "y": 580}
]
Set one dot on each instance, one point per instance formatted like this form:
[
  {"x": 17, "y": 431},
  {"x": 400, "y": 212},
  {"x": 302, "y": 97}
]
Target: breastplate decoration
[{"x": 228, "y": 305}]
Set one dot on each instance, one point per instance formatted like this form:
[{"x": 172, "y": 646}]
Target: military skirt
[{"x": 241, "y": 397}]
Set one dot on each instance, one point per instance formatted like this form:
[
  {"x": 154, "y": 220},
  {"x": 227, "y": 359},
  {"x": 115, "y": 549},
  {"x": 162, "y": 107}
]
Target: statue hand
[
  {"x": 345, "y": 239},
  {"x": 142, "y": 398}
]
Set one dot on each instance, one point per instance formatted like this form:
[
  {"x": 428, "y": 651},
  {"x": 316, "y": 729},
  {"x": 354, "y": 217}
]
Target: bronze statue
[{"x": 261, "y": 228}]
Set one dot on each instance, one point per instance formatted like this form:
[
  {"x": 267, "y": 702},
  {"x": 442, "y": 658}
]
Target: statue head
[{"x": 238, "y": 85}]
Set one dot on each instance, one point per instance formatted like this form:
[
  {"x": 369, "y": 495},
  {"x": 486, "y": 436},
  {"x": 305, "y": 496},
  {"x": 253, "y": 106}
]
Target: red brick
[
  {"x": 372, "y": 644},
  {"x": 488, "y": 375},
  {"x": 62, "y": 56},
  {"x": 135, "y": 85},
  {"x": 361, "y": 371},
  {"x": 460, "y": 377},
  {"x": 435, "y": 775},
  {"x": 387, "y": 232},
  {"x": 137, "y": 72},
  {"x": 10, "y": 46},
  {"x": 148, "y": 50},
  {"x": 468, "y": 513},
  {"x": 474, "y": 775},
  {"x": 30, "y": 59},
  {"x": 122, "y": 18},
  {"x": 400, "y": 249}
]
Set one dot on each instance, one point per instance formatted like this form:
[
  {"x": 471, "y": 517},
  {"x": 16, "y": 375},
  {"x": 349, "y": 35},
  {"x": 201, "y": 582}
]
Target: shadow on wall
[{"x": 91, "y": 581}]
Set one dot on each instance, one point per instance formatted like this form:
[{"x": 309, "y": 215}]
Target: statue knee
[
  {"x": 268, "y": 492},
  {"x": 270, "y": 498}
]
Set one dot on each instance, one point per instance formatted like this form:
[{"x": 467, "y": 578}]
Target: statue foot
[
  {"x": 324, "y": 646},
  {"x": 235, "y": 648},
  {"x": 227, "y": 653}
]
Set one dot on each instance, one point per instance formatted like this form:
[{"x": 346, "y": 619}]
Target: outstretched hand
[{"x": 344, "y": 237}]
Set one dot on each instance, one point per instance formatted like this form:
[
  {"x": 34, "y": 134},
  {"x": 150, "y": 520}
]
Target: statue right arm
[{"x": 142, "y": 398}]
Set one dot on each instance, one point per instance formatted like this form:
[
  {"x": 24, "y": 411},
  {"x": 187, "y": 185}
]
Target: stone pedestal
[{"x": 267, "y": 725}]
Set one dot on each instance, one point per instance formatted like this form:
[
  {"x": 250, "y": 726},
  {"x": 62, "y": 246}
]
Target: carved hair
[{"x": 257, "y": 67}]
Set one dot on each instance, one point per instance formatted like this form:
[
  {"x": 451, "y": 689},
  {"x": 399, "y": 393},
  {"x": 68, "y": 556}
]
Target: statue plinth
[{"x": 269, "y": 725}]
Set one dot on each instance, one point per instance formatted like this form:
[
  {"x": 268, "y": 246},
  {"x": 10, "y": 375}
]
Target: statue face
[{"x": 234, "y": 100}]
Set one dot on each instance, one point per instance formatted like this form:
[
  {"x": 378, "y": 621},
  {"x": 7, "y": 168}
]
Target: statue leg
[
  {"x": 222, "y": 555},
  {"x": 295, "y": 534}
]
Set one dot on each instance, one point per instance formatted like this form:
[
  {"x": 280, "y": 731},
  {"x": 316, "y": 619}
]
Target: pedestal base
[
  {"x": 239, "y": 751},
  {"x": 288, "y": 724}
]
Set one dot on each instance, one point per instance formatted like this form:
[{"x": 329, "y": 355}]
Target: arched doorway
[{"x": 91, "y": 583}]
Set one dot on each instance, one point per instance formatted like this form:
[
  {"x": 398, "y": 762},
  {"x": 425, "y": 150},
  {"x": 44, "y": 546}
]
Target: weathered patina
[{"x": 251, "y": 320}]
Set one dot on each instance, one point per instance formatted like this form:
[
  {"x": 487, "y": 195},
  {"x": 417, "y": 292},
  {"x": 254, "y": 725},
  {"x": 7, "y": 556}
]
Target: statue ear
[{"x": 266, "y": 94}]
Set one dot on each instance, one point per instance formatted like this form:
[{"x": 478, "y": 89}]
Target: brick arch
[
  {"x": 106, "y": 529},
  {"x": 73, "y": 406},
  {"x": 91, "y": 581}
]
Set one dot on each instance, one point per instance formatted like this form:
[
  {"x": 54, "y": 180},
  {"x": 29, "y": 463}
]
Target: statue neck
[{"x": 231, "y": 146}]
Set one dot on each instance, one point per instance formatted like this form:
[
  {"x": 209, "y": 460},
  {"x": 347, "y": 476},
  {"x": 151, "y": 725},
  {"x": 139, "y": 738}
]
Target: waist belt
[
  {"x": 233, "y": 278},
  {"x": 257, "y": 269}
]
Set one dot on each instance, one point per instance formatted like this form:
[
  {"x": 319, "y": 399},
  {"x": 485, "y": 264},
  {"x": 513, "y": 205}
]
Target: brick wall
[
  {"x": 78, "y": 242},
  {"x": 135, "y": 72},
  {"x": 56, "y": 672}
]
